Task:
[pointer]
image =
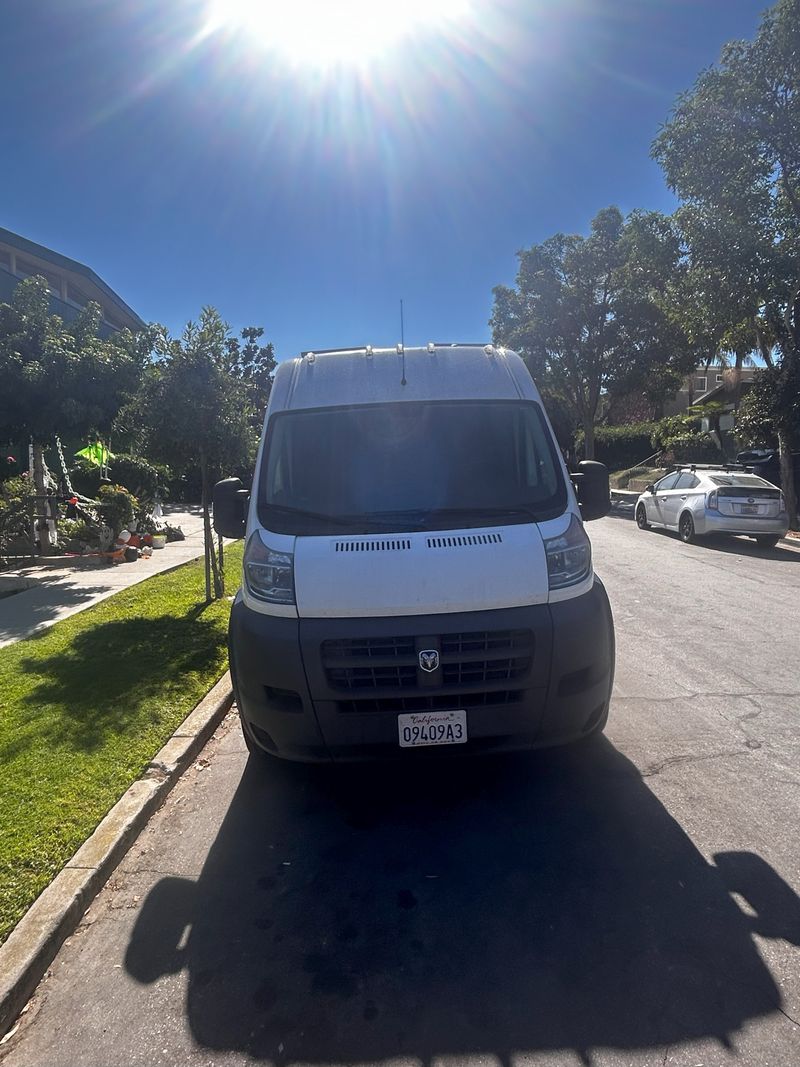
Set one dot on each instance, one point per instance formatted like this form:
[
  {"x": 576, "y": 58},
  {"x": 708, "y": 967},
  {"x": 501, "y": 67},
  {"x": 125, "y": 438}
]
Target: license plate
[
  {"x": 432, "y": 728},
  {"x": 748, "y": 509}
]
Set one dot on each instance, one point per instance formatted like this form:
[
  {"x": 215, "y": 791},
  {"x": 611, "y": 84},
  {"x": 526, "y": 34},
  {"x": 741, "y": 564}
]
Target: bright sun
[{"x": 324, "y": 33}]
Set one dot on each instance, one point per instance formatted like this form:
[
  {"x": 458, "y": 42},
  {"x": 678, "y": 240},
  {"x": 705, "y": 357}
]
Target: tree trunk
[
  {"x": 588, "y": 438},
  {"x": 207, "y": 541},
  {"x": 221, "y": 566},
  {"x": 41, "y": 509},
  {"x": 212, "y": 568},
  {"x": 787, "y": 476},
  {"x": 215, "y": 572}
]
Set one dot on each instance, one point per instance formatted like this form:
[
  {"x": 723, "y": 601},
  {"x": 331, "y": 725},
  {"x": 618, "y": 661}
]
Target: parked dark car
[{"x": 765, "y": 462}]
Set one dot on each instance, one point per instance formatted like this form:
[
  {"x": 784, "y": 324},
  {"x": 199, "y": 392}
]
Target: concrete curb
[{"x": 33, "y": 943}]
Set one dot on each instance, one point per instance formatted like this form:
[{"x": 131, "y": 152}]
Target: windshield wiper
[
  {"x": 476, "y": 512},
  {"x": 388, "y": 520},
  {"x": 424, "y": 515},
  {"x": 285, "y": 509},
  {"x": 360, "y": 519}
]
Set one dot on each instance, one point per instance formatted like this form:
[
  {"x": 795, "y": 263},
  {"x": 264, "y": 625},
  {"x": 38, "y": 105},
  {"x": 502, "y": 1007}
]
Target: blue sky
[{"x": 187, "y": 172}]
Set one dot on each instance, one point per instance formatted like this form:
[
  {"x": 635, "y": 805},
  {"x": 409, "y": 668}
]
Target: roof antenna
[{"x": 402, "y": 343}]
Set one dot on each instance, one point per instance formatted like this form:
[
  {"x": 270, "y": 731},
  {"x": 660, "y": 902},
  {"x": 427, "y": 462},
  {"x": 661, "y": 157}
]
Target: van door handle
[{"x": 683, "y": 498}]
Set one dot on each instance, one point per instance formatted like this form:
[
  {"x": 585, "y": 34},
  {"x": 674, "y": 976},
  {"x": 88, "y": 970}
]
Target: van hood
[{"x": 374, "y": 575}]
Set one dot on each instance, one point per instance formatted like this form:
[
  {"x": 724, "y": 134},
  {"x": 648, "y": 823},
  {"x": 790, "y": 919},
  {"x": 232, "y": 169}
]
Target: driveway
[{"x": 630, "y": 902}]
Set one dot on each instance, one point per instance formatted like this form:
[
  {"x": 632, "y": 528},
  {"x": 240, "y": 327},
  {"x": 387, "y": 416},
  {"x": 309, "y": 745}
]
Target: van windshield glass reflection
[{"x": 408, "y": 465}]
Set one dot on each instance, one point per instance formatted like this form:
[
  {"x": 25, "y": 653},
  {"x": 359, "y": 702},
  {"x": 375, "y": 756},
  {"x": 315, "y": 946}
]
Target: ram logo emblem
[{"x": 429, "y": 660}]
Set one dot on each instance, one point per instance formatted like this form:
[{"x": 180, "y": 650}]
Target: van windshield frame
[{"x": 319, "y": 464}]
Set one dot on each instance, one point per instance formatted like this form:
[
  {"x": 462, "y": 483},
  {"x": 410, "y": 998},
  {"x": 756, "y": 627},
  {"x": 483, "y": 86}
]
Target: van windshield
[{"x": 428, "y": 465}]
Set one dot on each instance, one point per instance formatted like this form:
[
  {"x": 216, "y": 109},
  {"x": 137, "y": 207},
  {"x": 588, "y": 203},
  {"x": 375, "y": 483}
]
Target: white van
[{"x": 416, "y": 573}]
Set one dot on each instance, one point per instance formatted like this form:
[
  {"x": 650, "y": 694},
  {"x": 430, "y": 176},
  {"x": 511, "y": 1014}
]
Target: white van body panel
[
  {"x": 357, "y": 377},
  {"x": 338, "y": 673},
  {"x": 374, "y": 583},
  {"x": 414, "y": 573}
]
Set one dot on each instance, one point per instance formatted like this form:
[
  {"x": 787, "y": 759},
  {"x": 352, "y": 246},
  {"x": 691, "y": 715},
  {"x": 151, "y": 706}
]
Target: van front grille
[
  {"x": 393, "y": 677},
  {"x": 468, "y": 660},
  {"x": 431, "y": 702}
]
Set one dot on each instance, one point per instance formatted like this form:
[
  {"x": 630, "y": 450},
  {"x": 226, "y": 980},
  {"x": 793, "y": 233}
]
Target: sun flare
[{"x": 322, "y": 33}]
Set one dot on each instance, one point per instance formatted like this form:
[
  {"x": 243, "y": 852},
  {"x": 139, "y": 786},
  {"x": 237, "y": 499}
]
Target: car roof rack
[{"x": 712, "y": 466}]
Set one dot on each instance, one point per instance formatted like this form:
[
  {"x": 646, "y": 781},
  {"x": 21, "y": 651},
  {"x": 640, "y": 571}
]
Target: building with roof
[
  {"x": 712, "y": 383},
  {"x": 72, "y": 285}
]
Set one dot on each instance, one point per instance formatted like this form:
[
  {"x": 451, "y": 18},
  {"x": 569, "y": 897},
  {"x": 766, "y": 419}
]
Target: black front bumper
[{"x": 309, "y": 689}]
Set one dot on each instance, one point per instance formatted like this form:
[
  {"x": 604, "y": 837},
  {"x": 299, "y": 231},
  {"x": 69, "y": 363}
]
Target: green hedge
[
  {"x": 620, "y": 447},
  {"x": 678, "y": 436},
  {"x": 144, "y": 480}
]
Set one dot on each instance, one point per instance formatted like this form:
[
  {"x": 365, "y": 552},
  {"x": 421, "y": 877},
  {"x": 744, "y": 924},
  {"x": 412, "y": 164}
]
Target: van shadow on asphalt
[{"x": 546, "y": 901}]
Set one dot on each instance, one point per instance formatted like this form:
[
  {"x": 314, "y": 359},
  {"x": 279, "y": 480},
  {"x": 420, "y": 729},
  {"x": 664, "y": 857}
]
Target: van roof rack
[
  {"x": 332, "y": 351},
  {"x": 366, "y": 348}
]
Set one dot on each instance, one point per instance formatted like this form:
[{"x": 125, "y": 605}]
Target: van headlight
[
  {"x": 569, "y": 556},
  {"x": 268, "y": 573}
]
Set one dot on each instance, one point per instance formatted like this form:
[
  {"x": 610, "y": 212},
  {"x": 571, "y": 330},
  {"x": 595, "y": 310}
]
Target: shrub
[
  {"x": 620, "y": 447},
  {"x": 143, "y": 479},
  {"x": 682, "y": 441},
  {"x": 75, "y": 533},
  {"x": 15, "y": 493},
  {"x": 117, "y": 507}
]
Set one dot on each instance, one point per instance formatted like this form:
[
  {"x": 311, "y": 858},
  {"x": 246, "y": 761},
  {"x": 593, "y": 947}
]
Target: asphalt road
[{"x": 632, "y": 901}]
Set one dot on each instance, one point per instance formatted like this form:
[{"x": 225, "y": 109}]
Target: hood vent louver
[
  {"x": 465, "y": 540},
  {"x": 395, "y": 544}
]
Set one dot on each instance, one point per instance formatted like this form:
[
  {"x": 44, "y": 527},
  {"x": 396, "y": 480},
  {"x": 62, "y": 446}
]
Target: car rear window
[{"x": 740, "y": 479}]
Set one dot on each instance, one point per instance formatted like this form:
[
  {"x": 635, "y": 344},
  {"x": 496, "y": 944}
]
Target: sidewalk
[{"x": 65, "y": 588}]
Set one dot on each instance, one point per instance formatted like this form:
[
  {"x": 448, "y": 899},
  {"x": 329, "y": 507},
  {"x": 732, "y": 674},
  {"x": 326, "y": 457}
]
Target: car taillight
[
  {"x": 712, "y": 501},
  {"x": 782, "y": 505}
]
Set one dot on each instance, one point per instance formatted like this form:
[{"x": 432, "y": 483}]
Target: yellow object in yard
[{"x": 96, "y": 453}]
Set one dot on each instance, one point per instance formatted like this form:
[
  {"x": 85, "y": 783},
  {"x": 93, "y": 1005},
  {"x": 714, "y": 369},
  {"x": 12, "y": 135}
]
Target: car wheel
[
  {"x": 686, "y": 527},
  {"x": 767, "y": 542},
  {"x": 641, "y": 518}
]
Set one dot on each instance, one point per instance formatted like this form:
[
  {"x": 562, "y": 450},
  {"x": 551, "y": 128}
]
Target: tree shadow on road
[{"x": 460, "y": 908}]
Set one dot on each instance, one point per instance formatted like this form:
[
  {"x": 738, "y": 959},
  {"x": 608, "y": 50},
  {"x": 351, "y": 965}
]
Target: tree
[
  {"x": 253, "y": 364},
  {"x": 731, "y": 149},
  {"x": 773, "y": 398},
  {"x": 58, "y": 378},
  {"x": 591, "y": 315},
  {"x": 195, "y": 409}
]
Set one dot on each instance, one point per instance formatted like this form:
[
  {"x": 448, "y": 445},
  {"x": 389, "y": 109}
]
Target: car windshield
[
  {"x": 740, "y": 479},
  {"x": 408, "y": 466}
]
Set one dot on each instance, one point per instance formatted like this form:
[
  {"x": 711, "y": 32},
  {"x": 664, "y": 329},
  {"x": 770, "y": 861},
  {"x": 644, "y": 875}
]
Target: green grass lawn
[{"x": 84, "y": 707}]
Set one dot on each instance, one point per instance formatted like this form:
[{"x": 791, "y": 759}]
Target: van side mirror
[
  {"x": 230, "y": 508},
  {"x": 594, "y": 496}
]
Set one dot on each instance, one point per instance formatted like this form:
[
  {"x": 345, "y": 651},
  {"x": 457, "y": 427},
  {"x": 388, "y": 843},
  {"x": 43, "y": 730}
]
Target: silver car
[{"x": 696, "y": 500}]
